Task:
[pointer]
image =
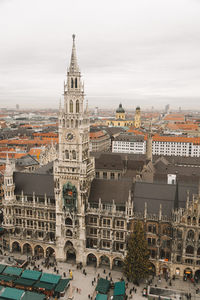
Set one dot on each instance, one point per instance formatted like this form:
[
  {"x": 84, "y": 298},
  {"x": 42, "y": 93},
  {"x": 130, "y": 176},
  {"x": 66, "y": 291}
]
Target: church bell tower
[{"x": 74, "y": 169}]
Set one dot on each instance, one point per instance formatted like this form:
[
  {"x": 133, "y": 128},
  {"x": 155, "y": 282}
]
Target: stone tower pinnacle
[{"x": 73, "y": 68}]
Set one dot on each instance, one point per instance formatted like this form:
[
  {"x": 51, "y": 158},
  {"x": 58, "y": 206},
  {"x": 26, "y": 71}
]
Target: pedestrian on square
[
  {"x": 94, "y": 279},
  {"x": 104, "y": 271}
]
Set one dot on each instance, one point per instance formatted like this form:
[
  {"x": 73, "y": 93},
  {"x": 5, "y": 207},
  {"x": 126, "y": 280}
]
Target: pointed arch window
[
  {"x": 73, "y": 154},
  {"x": 71, "y": 106},
  {"x": 66, "y": 154},
  {"x": 77, "y": 106},
  {"x": 76, "y": 83},
  {"x": 72, "y": 83}
]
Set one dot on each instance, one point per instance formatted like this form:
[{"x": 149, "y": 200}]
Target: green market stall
[
  {"x": 33, "y": 296},
  {"x": 103, "y": 286},
  {"x": 61, "y": 287},
  {"x": 13, "y": 271},
  {"x": 119, "y": 288},
  {"x": 12, "y": 294}
]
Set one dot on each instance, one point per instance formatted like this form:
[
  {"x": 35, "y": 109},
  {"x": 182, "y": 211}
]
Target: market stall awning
[
  {"x": 7, "y": 278},
  {"x": 45, "y": 285},
  {"x": 12, "y": 271},
  {"x": 31, "y": 274},
  {"x": 119, "y": 288},
  {"x": 33, "y": 296},
  {"x": 103, "y": 286},
  {"x": 24, "y": 282},
  {"x": 62, "y": 285},
  {"x": 12, "y": 294},
  {"x": 50, "y": 278}
]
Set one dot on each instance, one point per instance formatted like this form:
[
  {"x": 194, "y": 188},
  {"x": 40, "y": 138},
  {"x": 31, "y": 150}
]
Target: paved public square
[{"x": 81, "y": 285}]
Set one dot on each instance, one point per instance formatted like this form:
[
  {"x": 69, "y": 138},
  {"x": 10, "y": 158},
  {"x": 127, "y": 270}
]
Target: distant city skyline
[{"x": 136, "y": 52}]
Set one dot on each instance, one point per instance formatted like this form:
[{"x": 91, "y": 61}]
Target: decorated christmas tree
[{"x": 136, "y": 263}]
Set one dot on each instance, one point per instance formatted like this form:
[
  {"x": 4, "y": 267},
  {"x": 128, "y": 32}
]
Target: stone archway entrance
[
  {"x": 70, "y": 252},
  {"x": 197, "y": 275},
  {"x": 117, "y": 264},
  {"x": 27, "y": 249},
  {"x": 188, "y": 273},
  {"x": 39, "y": 251},
  {"x": 104, "y": 261},
  {"x": 164, "y": 271},
  {"x": 50, "y": 252},
  {"x": 16, "y": 247},
  {"x": 91, "y": 260}
]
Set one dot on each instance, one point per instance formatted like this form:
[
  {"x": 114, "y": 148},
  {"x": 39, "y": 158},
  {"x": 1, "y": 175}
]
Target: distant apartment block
[
  {"x": 128, "y": 143},
  {"x": 161, "y": 145}
]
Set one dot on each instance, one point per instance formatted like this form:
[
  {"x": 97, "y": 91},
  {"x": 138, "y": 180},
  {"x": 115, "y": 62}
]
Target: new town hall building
[{"x": 68, "y": 209}]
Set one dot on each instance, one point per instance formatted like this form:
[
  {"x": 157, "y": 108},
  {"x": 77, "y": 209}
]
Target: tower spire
[{"x": 73, "y": 63}]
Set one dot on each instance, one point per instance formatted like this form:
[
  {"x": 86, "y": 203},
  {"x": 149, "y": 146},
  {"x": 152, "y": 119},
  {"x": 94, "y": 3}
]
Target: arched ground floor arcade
[
  {"x": 104, "y": 260},
  {"x": 32, "y": 249},
  {"x": 100, "y": 258}
]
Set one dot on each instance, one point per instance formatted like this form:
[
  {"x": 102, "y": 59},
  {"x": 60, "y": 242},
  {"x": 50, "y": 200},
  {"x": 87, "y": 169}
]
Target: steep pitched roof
[
  {"x": 109, "y": 190},
  {"x": 109, "y": 162},
  {"x": 26, "y": 160},
  {"x": 154, "y": 194},
  {"x": 30, "y": 183}
]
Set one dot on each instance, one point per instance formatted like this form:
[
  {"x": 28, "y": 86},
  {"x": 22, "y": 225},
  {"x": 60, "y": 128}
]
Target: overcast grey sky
[{"x": 139, "y": 52}]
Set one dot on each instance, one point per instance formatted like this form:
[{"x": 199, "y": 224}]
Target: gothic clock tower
[{"x": 74, "y": 169}]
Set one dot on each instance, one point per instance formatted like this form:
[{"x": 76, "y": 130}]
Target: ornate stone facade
[{"x": 75, "y": 216}]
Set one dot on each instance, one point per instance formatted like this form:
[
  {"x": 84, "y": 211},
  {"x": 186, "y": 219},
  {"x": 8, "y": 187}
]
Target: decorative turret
[
  {"x": 9, "y": 196},
  {"x": 8, "y": 180}
]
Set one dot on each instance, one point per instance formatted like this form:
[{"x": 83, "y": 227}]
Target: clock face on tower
[{"x": 69, "y": 136}]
